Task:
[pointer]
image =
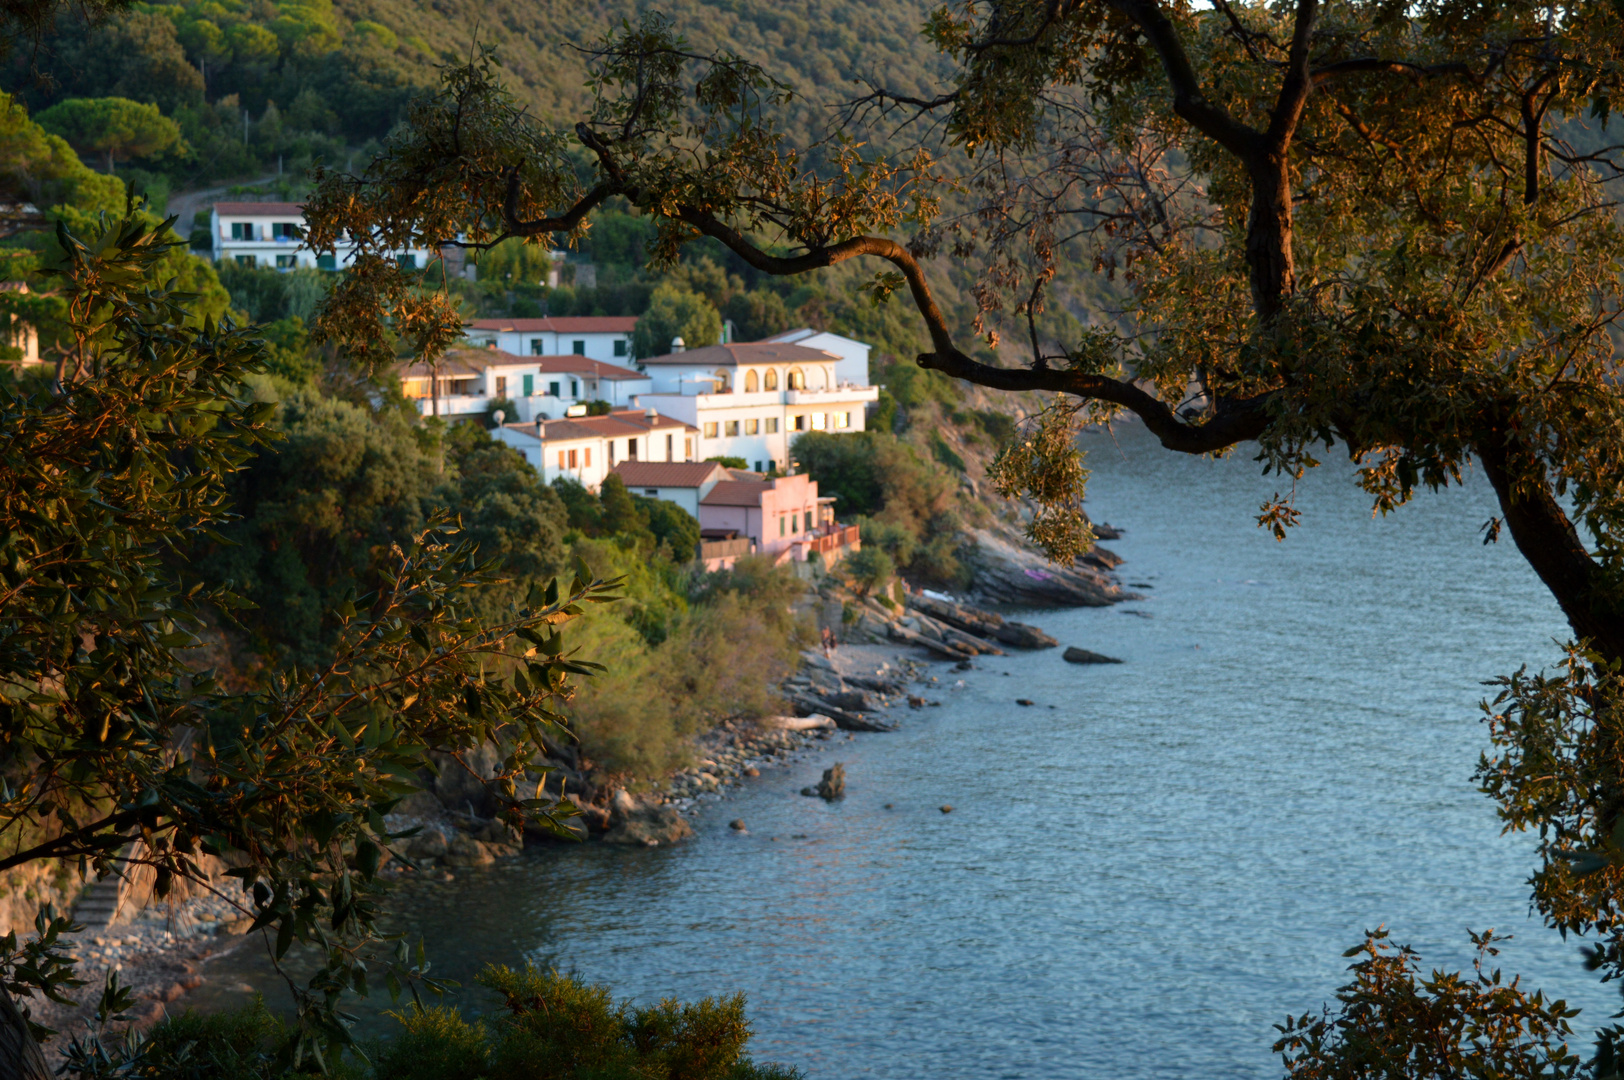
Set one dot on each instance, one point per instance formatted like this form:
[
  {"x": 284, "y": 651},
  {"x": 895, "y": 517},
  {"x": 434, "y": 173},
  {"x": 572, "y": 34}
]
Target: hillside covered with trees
[{"x": 295, "y": 81}]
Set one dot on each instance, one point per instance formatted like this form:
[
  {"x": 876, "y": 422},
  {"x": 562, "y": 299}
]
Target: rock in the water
[
  {"x": 464, "y": 850},
  {"x": 737, "y": 825},
  {"x": 431, "y": 843},
  {"x": 632, "y": 822},
  {"x": 947, "y": 809},
  {"x": 1075, "y": 655},
  {"x": 833, "y": 784},
  {"x": 1023, "y": 636},
  {"x": 810, "y": 792},
  {"x": 1023, "y": 701}
]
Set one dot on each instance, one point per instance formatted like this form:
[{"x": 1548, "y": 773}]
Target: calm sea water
[{"x": 1142, "y": 873}]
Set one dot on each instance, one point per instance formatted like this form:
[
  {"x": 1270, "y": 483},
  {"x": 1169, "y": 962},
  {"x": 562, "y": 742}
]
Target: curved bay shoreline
[{"x": 893, "y": 661}]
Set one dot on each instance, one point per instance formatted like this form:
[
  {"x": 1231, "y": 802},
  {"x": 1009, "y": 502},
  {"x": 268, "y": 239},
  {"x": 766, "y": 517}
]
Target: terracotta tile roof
[
  {"x": 615, "y": 425},
  {"x": 562, "y": 324},
  {"x": 749, "y": 352},
  {"x": 262, "y": 209},
  {"x": 566, "y": 364},
  {"x": 451, "y": 367},
  {"x": 579, "y": 365},
  {"x": 680, "y": 474},
  {"x": 736, "y": 493}
]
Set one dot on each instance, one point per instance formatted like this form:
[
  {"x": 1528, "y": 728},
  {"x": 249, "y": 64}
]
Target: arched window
[
  {"x": 771, "y": 380},
  {"x": 797, "y": 379},
  {"x": 816, "y": 378},
  {"x": 750, "y": 383},
  {"x": 721, "y": 382}
]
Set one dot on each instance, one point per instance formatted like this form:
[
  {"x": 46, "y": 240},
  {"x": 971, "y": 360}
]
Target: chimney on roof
[
  {"x": 678, "y": 345},
  {"x": 490, "y": 345},
  {"x": 651, "y": 413}
]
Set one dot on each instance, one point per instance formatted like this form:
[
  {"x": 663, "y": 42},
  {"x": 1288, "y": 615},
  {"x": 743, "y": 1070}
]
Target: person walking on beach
[{"x": 828, "y": 643}]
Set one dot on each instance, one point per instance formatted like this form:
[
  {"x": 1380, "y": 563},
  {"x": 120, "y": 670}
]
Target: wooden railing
[
  {"x": 724, "y": 549},
  {"x": 838, "y": 537}
]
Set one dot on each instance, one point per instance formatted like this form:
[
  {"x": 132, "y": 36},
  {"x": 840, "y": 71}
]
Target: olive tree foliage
[
  {"x": 1394, "y": 1022},
  {"x": 114, "y": 753},
  {"x": 1386, "y": 229}
]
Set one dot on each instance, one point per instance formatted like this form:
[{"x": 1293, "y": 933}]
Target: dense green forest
[
  {"x": 199, "y": 93},
  {"x": 272, "y": 86}
]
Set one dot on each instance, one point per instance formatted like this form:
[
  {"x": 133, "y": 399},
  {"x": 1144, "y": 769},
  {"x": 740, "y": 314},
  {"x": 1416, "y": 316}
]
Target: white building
[
  {"x": 682, "y": 482},
  {"x": 598, "y": 337},
  {"x": 270, "y": 234},
  {"x": 587, "y": 448},
  {"x": 539, "y": 387},
  {"x": 853, "y": 365},
  {"x": 17, "y": 332},
  {"x": 750, "y": 400}
]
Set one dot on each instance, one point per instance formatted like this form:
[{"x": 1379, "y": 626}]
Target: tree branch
[
  {"x": 1379, "y": 65},
  {"x": 1548, "y": 540},
  {"x": 1233, "y": 421},
  {"x": 1210, "y": 119}
]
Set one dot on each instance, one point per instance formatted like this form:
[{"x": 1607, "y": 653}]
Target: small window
[
  {"x": 798, "y": 424},
  {"x": 611, "y": 459},
  {"x": 730, "y": 428},
  {"x": 631, "y": 449},
  {"x": 326, "y": 262},
  {"x": 842, "y": 419},
  {"x": 620, "y": 347},
  {"x": 285, "y": 230},
  {"x": 670, "y": 445},
  {"x": 407, "y": 261},
  {"x": 772, "y": 425},
  {"x": 552, "y": 388},
  {"x": 529, "y": 385},
  {"x": 710, "y": 429},
  {"x": 652, "y": 493},
  {"x": 795, "y": 523},
  {"x": 771, "y": 379},
  {"x": 797, "y": 379},
  {"x": 575, "y": 389},
  {"x": 578, "y": 348},
  {"x": 688, "y": 448},
  {"x": 572, "y": 459},
  {"x": 245, "y": 260},
  {"x": 758, "y": 466},
  {"x": 561, "y": 459},
  {"x": 782, "y": 527},
  {"x": 588, "y": 454},
  {"x": 286, "y": 262},
  {"x": 242, "y": 230},
  {"x": 750, "y": 383},
  {"x": 501, "y": 386},
  {"x": 819, "y": 421},
  {"x": 752, "y": 427},
  {"x": 535, "y": 347}
]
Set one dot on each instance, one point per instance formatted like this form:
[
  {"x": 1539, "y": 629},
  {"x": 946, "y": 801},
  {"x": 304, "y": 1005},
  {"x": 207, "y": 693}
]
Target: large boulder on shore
[
  {"x": 643, "y": 824},
  {"x": 1005, "y": 571}
]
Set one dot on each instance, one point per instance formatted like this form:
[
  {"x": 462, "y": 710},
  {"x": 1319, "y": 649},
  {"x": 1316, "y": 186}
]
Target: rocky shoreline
[{"x": 880, "y": 668}]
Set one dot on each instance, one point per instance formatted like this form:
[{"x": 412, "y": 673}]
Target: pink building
[{"x": 784, "y": 517}]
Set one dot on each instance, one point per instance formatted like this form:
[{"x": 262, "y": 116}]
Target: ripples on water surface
[{"x": 1137, "y": 882}]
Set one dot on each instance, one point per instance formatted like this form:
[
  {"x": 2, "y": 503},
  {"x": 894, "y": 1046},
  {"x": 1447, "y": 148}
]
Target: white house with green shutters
[{"x": 270, "y": 235}]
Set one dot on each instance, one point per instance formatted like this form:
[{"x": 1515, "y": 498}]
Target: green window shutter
[{"x": 529, "y": 385}]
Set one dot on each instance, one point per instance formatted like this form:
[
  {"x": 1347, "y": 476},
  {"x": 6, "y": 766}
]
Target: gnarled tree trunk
[{"x": 20, "y": 1056}]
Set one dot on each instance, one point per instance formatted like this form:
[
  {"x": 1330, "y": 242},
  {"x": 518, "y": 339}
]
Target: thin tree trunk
[{"x": 20, "y": 1056}]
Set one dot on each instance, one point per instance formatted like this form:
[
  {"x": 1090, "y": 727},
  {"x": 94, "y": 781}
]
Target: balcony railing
[
  {"x": 725, "y": 549},
  {"x": 831, "y": 538}
]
